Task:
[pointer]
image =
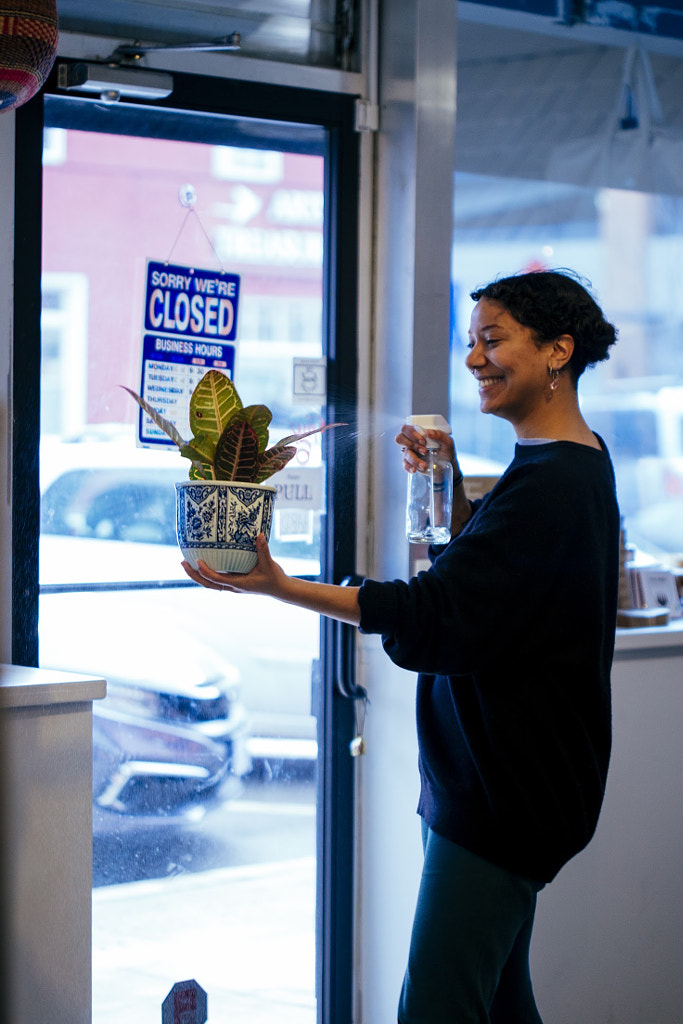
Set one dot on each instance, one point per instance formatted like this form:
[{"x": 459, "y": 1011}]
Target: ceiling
[
  {"x": 521, "y": 92},
  {"x": 319, "y": 32}
]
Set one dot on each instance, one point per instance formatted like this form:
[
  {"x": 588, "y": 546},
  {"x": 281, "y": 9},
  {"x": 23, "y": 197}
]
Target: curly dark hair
[{"x": 551, "y": 303}]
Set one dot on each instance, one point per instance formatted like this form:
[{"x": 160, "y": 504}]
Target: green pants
[{"x": 469, "y": 949}]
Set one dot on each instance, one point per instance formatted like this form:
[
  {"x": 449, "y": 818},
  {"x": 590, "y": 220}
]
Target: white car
[
  {"x": 170, "y": 738},
  {"x": 108, "y": 515}
]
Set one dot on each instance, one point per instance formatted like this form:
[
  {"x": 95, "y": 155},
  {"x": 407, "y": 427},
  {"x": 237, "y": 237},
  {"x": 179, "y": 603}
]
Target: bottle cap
[{"x": 432, "y": 421}]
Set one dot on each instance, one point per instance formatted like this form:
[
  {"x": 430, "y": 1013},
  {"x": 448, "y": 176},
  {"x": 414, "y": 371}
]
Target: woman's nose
[{"x": 475, "y": 356}]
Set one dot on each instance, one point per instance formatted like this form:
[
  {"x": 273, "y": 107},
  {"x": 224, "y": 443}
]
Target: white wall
[{"x": 414, "y": 167}]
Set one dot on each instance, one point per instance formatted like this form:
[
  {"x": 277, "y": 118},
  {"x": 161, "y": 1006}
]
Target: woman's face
[{"x": 510, "y": 368}]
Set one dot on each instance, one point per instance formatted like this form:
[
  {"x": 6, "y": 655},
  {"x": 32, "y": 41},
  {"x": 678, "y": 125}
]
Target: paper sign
[
  {"x": 299, "y": 487},
  {"x": 309, "y": 380},
  {"x": 189, "y": 327}
]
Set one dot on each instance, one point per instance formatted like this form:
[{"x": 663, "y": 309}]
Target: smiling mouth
[{"x": 484, "y": 383}]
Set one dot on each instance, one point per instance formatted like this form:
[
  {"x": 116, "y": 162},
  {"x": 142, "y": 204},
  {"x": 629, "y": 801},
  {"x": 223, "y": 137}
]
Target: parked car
[
  {"x": 108, "y": 515},
  {"x": 170, "y": 738}
]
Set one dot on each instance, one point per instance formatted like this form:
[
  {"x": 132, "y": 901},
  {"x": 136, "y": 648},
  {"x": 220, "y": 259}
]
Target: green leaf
[
  {"x": 213, "y": 403},
  {"x": 237, "y": 452},
  {"x": 258, "y": 417},
  {"x": 273, "y": 461},
  {"x": 229, "y": 441},
  {"x": 164, "y": 424},
  {"x": 200, "y": 449}
]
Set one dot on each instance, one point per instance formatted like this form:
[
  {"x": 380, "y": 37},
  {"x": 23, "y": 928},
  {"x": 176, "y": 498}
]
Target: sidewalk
[{"x": 246, "y": 935}]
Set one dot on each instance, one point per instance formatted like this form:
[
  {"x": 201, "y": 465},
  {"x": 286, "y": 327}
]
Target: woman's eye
[{"x": 485, "y": 341}]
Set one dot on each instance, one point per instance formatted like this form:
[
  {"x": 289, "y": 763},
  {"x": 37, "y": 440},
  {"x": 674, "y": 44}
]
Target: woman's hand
[
  {"x": 411, "y": 441},
  {"x": 267, "y": 577},
  {"x": 414, "y": 451}
]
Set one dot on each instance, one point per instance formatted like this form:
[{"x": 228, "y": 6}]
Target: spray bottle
[{"x": 430, "y": 493}]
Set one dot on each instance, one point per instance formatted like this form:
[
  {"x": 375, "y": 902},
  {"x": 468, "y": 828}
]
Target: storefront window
[
  {"x": 205, "y": 747},
  {"x": 635, "y": 399}
]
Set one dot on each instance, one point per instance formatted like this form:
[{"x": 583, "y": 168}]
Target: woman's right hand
[
  {"x": 411, "y": 442},
  {"x": 267, "y": 577}
]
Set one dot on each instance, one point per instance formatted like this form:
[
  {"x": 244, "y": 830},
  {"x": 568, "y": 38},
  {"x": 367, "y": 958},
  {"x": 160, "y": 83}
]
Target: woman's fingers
[
  {"x": 206, "y": 577},
  {"x": 409, "y": 437},
  {"x": 260, "y": 580},
  {"x": 412, "y": 444}
]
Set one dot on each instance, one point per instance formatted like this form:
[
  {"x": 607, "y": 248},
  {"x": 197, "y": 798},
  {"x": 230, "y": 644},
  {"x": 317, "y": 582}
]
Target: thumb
[
  {"x": 262, "y": 549},
  {"x": 266, "y": 564}
]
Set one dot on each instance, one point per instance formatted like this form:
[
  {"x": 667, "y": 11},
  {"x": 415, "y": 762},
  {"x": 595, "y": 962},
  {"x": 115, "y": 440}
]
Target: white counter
[
  {"x": 22, "y": 687},
  {"x": 46, "y": 797},
  {"x": 651, "y": 639},
  {"x": 608, "y": 938}
]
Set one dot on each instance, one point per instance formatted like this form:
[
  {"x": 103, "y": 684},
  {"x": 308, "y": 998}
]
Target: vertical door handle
[{"x": 345, "y": 670}]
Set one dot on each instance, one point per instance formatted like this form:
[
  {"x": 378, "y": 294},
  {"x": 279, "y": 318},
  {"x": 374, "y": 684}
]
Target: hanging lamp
[{"x": 28, "y": 47}]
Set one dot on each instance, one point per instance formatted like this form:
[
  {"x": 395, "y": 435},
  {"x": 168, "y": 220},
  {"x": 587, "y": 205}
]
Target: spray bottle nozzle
[{"x": 433, "y": 421}]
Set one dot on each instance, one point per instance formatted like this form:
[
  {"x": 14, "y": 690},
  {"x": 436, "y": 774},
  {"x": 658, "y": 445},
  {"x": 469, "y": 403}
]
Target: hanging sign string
[{"x": 187, "y": 197}]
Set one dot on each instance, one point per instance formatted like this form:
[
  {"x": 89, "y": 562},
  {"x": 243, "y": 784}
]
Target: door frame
[{"x": 335, "y": 113}]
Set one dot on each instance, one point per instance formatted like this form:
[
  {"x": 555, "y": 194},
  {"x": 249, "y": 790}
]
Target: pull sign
[{"x": 185, "y": 1004}]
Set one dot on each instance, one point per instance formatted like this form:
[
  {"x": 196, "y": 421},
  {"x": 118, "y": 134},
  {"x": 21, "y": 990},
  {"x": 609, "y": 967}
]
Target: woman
[{"x": 512, "y": 632}]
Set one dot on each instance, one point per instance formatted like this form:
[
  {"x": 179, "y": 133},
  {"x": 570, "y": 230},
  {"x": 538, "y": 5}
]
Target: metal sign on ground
[
  {"x": 189, "y": 328},
  {"x": 185, "y": 1004}
]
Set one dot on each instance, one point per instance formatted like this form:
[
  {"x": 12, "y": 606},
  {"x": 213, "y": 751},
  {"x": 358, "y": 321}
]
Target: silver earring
[{"x": 554, "y": 378}]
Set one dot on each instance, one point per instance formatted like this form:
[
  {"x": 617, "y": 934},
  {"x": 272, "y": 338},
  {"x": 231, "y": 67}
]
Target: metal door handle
[{"x": 345, "y": 671}]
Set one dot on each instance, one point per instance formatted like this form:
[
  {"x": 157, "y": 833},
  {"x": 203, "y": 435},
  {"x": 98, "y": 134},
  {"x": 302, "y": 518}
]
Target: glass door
[{"x": 209, "y": 806}]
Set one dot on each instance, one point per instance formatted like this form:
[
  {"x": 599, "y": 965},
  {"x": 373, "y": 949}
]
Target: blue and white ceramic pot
[{"x": 219, "y": 521}]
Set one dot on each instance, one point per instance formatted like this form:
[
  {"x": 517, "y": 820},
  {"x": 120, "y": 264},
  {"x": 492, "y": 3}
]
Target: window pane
[
  {"x": 626, "y": 245},
  {"x": 205, "y": 748}
]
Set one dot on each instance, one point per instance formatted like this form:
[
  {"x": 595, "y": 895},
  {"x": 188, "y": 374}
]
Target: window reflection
[{"x": 627, "y": 245}]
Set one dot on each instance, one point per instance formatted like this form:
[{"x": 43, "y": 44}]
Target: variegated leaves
[{"x": 229, "y": 440}]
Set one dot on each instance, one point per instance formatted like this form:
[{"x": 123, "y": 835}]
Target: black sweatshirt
[{"x": 512, "y": 632}]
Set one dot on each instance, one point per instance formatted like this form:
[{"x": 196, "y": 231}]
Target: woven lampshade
[{"x": 28, "y": 47}]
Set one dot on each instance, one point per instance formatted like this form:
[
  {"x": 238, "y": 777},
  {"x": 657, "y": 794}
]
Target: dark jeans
[{"x": 469, "y": 949}]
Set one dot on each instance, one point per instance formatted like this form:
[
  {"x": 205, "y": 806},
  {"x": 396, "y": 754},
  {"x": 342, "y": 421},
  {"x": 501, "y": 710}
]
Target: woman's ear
[{"x": 563, "y": 348}]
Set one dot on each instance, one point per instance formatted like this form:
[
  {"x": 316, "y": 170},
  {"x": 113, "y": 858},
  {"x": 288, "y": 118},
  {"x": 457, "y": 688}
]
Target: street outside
[{"x": 229, "y": 902}]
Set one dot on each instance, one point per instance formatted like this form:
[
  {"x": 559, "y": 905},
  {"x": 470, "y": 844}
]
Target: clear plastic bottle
[{"x": 430, "y": 494}]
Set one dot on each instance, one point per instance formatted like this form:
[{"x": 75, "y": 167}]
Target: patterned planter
[{"x": 219, "y": 521}]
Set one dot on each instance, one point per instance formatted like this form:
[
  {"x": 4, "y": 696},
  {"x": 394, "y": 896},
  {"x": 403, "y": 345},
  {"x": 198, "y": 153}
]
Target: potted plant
[{"x": 225, "y": 503}]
